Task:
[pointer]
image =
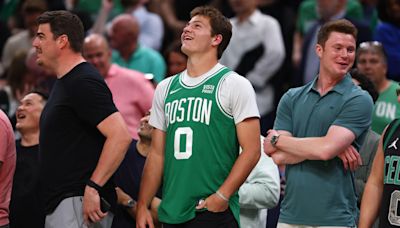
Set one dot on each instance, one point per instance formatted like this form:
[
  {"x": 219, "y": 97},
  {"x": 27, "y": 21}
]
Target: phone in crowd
[{"x": 104, "y": 205}]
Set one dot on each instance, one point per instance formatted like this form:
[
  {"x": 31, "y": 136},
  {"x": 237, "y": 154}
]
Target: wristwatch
[
  {"x": 130, "y": 203},
  {"x": 274, "y": 140}
]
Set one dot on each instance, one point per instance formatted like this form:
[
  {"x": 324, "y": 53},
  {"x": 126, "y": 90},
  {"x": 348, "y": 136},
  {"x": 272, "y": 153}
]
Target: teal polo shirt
[
  {"x": 322, "y": 193},
  {"x": 145, "y": 60}
]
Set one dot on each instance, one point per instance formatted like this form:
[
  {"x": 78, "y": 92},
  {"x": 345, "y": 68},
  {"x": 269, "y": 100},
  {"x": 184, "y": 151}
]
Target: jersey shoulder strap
[{"x": 389, "y": 132}]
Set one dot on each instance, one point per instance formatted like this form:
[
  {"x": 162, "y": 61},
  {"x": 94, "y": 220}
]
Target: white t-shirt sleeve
[
  {"x": 157, "y": 116},
  {"x": 238, "y": 98}
]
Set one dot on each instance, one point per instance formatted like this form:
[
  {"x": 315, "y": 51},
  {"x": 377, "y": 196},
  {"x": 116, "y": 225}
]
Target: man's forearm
[
  {"x": 240, "y": 171},
  {"x": 311, "y": 148},
  {"x": 283, "y": 158},
  {"x": 113, "y": 153},
  {"x": 151, "y": 180},
  {"x": 370, "y": 205}
]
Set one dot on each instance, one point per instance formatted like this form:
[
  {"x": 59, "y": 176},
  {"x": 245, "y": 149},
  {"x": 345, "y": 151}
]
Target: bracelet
[
  {"x": 221, "y": 196},
  {"x": 92, "y": 184}
]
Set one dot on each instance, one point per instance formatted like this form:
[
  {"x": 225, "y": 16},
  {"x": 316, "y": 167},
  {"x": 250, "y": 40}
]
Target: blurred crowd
[{"x": 273, "y": 46}]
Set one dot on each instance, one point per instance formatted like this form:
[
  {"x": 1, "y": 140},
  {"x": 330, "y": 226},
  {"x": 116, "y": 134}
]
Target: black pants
[{"x": 208, "y": 219}]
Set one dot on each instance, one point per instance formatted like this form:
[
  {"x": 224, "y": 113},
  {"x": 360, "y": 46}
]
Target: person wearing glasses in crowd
[
  {"x": 372, "y": 62},
  {"x": 382, "y": 191}
]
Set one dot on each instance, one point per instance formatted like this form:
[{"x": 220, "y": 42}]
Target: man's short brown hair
[
  {"x": 341, "y": 26},
  {"x": 219, "y": 25}
]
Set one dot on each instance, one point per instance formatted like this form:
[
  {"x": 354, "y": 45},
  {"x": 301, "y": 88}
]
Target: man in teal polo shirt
[
  {"x": 124, "y": 33},
  {"x": 318, "y": 128}
]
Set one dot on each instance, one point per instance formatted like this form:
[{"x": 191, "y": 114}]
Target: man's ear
[
  {"x": 62, "y": 41},
  {"x": 216, "y": 40},
  {"x": 318, "y": 50}
]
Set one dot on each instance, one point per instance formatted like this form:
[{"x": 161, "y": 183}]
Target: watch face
[
  {"x": 130, "y": 203},
  {"x": 274, "y": 139}
]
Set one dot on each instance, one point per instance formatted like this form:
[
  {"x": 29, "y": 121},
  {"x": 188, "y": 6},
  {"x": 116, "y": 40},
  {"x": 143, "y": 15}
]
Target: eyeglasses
[{"x": 368, "y": 44}]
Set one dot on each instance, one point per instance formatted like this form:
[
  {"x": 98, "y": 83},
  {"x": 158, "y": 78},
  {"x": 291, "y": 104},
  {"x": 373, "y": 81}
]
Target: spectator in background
[
  {"x": 372, "y": 62},
  {"x": 259, "y": 192},
  {"x": 129, "y": 52},
  {"x": 26, "y": 206},
  {"x": 370, "y": 12},
  {"x": 7, "y": 167},
  {"x": 176, "y": 59},
  {"x": 128, "y": 176},
  {"x": 368, "y": 148},
  {"x": 380, "y": 198},
  {"x": 132, "y": 93},
  {"x": 256, "y": 51},
  {"x": 151, "y": 25},
  {"x": 22, "y": 41},
  {"x": 312, "y": 15},
  {"x": 388, "y": 33},
  {"x": 19, "y": 82}
]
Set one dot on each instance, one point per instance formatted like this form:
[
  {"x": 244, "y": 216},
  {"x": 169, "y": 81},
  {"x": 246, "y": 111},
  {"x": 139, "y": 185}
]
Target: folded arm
[{"x": 337, "y": 140}]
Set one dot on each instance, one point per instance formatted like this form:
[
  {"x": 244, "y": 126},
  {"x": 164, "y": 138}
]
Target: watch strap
[{"x": 94, "y": 185}]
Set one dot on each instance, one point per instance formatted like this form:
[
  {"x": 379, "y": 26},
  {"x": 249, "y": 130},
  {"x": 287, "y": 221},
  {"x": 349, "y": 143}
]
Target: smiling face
[
  {"x": 28, "y": 113},
  {"x": 145, "y": 129},
  {"x": 196, "y": 36},
  {"x": 337, "y": 54}
]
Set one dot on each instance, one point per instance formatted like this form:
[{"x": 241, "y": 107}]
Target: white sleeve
[
  {"x": 238, "y": 98},
  {"x": 157, "y": 116},
  {"x": 262, "y": 187}
]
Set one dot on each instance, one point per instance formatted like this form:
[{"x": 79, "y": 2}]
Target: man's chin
[
  {"x": 18, "y": 126},
  {"x": 39, "y": 62}
]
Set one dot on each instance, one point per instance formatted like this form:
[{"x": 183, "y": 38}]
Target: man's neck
[
  {"x": 128, "y": 52},
  {"x": 199, "y": 65},
  {"x": 383, "y": 85},
  {"x": 66, "y": 64},
  {"x": 326, "y": 83},
  {"x": 244, "y": 16},
  {"x": 29, "y": 138}
]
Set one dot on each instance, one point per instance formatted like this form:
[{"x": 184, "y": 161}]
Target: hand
[
  {"x": 351, "y": 158},
  {"x": 269, "y": 149},
  {"x": 91, "y": 206},
  {"x": 122, "y": 197},
  {"x": 143, "y": 217},
  {"x": 214, "y": 203},
  {"x": 278, "y": 158}
]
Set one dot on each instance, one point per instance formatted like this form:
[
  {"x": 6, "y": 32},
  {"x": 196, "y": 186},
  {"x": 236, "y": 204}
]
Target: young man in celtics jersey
[
  {"x": 201, "y": 117},
  {"x": 382, "y": 191}
]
